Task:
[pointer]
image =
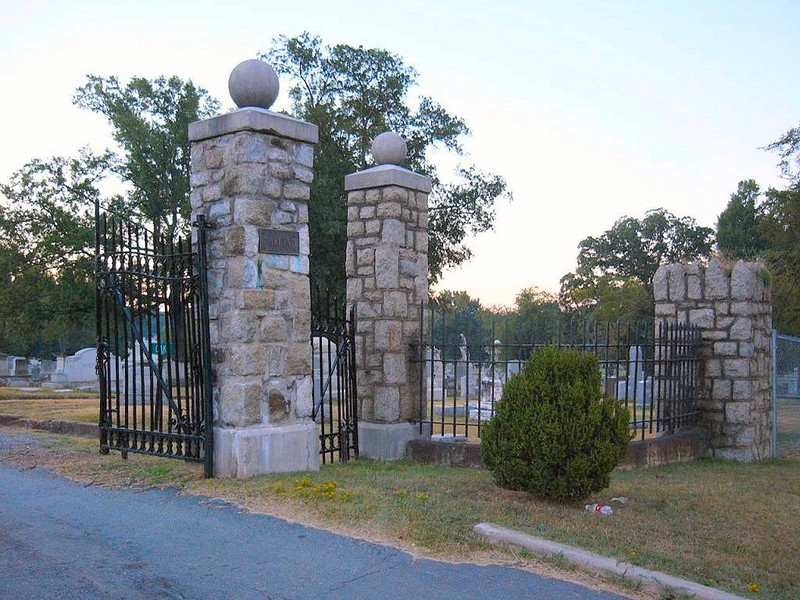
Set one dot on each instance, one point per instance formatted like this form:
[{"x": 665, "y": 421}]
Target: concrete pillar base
[
  {"x": 245, "y": 452},
  {"x": 387, "y": 441}
]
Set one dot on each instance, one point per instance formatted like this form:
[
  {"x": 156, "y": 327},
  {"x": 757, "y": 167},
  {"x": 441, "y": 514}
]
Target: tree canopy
[
  {"x": 616, "y": 269},
  {"x": 150, "y": 121},
  {"x": 354, "y": 94},
  {"x": 46, "y": 251}
]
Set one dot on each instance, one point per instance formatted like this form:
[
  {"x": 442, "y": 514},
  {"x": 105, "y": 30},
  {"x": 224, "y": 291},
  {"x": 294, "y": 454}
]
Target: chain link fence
[{"x": 786, "y": 395}]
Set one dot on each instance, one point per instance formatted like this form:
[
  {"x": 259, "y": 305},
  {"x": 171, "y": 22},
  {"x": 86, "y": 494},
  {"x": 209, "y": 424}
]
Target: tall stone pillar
[
  {"x": 731, "y": 306},
  {"x": 251, "y": 176},
  {"x": 387, "y": 281}
]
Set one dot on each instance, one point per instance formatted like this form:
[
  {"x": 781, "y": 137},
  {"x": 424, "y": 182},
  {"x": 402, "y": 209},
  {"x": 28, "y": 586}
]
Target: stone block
[
  {"x": 702, "y": 317},
  {"x": 246, "y": 359},
  {"x": 382, "y": 441},
  {"x": 387, "y": 268},
  {"x": 695, "y": 273},
  {"x": 736, "y": 367},
  {"x": 387, "y": 405},
  {"x": 395, "y": 304},
  {"x": 746, "y": 282},
  {"x": 677, "y": 282},
  {"x": 303, "y": 173},
  {"x": 742, "y": 329},
  {"x": 298, "y": 359},
  {"x": 726, "y": 349},
  {"x": 717, "y": 282},
  {"x": 661, "y": 285},
  {"x": 721, "y": 389},
  {"x": 742, "y": 390},
  {"x": 237, "y": 327},
  {"x": 246, "y": 452},
  {"x": 273, "y": 328},
  {"x": 276, "y": 361},
  {"x": 389, "y": 209},
  {"x": 356, "y": 197},
  {"x": 305, "y": 155},
  {"x": 393, "y": 232},
  {"x": 239, "y": 404},
  {"x": 395, "y": 367},
  {"x": 296, "y": 191},
  {"x": 389, "y": 335},
  {"x": 355, "y": 228}
]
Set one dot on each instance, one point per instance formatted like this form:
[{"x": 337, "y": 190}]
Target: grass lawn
[{"x": 728, "y": 525}]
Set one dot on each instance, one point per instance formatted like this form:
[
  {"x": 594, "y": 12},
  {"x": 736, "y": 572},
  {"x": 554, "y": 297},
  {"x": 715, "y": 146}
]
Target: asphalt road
[{"x": 59, "y": 539}]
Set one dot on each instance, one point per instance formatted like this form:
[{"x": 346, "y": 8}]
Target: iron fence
[
  {"x": 653, "y": 368},
  {"x": 785, "y": 395}
]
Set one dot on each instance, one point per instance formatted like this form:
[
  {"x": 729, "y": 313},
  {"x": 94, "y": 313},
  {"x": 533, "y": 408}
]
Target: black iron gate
[
  {"x": 153, "y": 356},
  {"x": 334, "y": 378}
]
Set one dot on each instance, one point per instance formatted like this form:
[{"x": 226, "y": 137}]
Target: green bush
[{"x": 555, "y": 434}]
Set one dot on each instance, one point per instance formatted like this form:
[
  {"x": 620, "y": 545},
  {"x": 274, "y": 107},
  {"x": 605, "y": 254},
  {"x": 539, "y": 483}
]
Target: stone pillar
[
  {"x": 732, "y": 308},
  {"x": 387, "y": 281},
  {"x": 251, "y": 176}
]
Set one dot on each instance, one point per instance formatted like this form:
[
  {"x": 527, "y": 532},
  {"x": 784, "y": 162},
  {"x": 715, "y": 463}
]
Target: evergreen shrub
[{"x": 555, "y": 434}]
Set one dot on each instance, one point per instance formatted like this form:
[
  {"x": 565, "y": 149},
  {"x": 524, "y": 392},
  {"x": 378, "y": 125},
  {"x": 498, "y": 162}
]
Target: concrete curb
[
  {"x": 54, "y": 426},
  {"x": 652, "y": 581}
]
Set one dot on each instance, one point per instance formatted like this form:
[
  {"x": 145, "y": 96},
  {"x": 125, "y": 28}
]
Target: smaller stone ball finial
[
  {"x": 389, "y": 149},
  {"x": 253, "y": 83}
]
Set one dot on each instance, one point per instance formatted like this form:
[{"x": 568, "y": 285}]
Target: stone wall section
[
  {"x": 387, "y": 280},
  {"x": 731, "y": 306}
]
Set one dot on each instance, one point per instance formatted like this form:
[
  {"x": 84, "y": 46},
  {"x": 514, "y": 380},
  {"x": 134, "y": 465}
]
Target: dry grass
[{"x": 46, "y": 404}]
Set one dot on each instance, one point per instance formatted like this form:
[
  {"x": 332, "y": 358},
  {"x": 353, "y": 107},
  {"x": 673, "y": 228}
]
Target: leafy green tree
[
  {"x": 46, "y": 253},
  {"x": 456, "y": 314},
  {"x": 150, "y": 121},
  {"x": 788, "y": 148},
  {"x": 353, "y": 94},
  {"x": 780, "y": 226},
  {"x": 738, "y": 231},
  {"x": 620, "y": 263}
]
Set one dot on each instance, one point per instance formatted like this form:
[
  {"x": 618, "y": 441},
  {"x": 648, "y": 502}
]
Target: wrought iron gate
[
  {"x": 153, "y": 356},
  {"x": 334, "y": 378}
]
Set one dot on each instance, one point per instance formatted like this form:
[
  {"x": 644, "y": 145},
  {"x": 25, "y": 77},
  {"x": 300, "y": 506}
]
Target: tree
[
  {"x": 788, "y": 148},
  {"x": 738, "y": 231},
  {"x": 46, "y": 253},
  {"x": 151, "y": 125},
  {"x": 618, "y": 265},
  {"x": 353, "y": 94}
]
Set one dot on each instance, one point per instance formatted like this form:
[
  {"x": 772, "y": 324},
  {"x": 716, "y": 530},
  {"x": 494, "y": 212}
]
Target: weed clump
[{"x": 555, "y": 434}]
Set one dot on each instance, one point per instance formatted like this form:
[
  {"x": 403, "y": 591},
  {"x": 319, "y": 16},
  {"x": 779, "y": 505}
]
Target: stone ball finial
[
  {"x": 253, "y": 83},
  {"x": 389, "y": 149}
]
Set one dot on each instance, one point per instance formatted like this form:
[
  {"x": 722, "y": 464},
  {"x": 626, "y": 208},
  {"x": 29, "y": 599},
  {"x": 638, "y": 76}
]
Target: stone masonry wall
[
  {"x": 387, "y": 280},
  {"x": 259, "y": 303},
  {"x": 732, "y": 307}
]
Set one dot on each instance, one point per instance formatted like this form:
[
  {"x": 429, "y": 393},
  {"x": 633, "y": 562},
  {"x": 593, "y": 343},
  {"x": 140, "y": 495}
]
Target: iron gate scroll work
[
  {"x": 153, "y": 347},
  {"x": 334, "y": 379}
]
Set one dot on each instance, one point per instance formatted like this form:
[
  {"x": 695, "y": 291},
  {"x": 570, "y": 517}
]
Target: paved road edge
[{"x": 652, "y": 581}]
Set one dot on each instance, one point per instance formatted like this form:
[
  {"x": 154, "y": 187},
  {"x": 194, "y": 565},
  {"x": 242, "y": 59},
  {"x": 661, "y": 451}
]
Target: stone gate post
[
  {"x": 731, "y": 306},
  {"x": 387, "y": 280},
  {"x": 251, "y": 176}
]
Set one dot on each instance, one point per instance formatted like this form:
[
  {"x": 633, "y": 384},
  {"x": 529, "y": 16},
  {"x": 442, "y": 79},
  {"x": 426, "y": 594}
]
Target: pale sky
[{"x": 590, "y": 110}]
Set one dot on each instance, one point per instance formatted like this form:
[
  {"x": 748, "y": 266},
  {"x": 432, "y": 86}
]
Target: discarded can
[{"x": 600, "y": 509}]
